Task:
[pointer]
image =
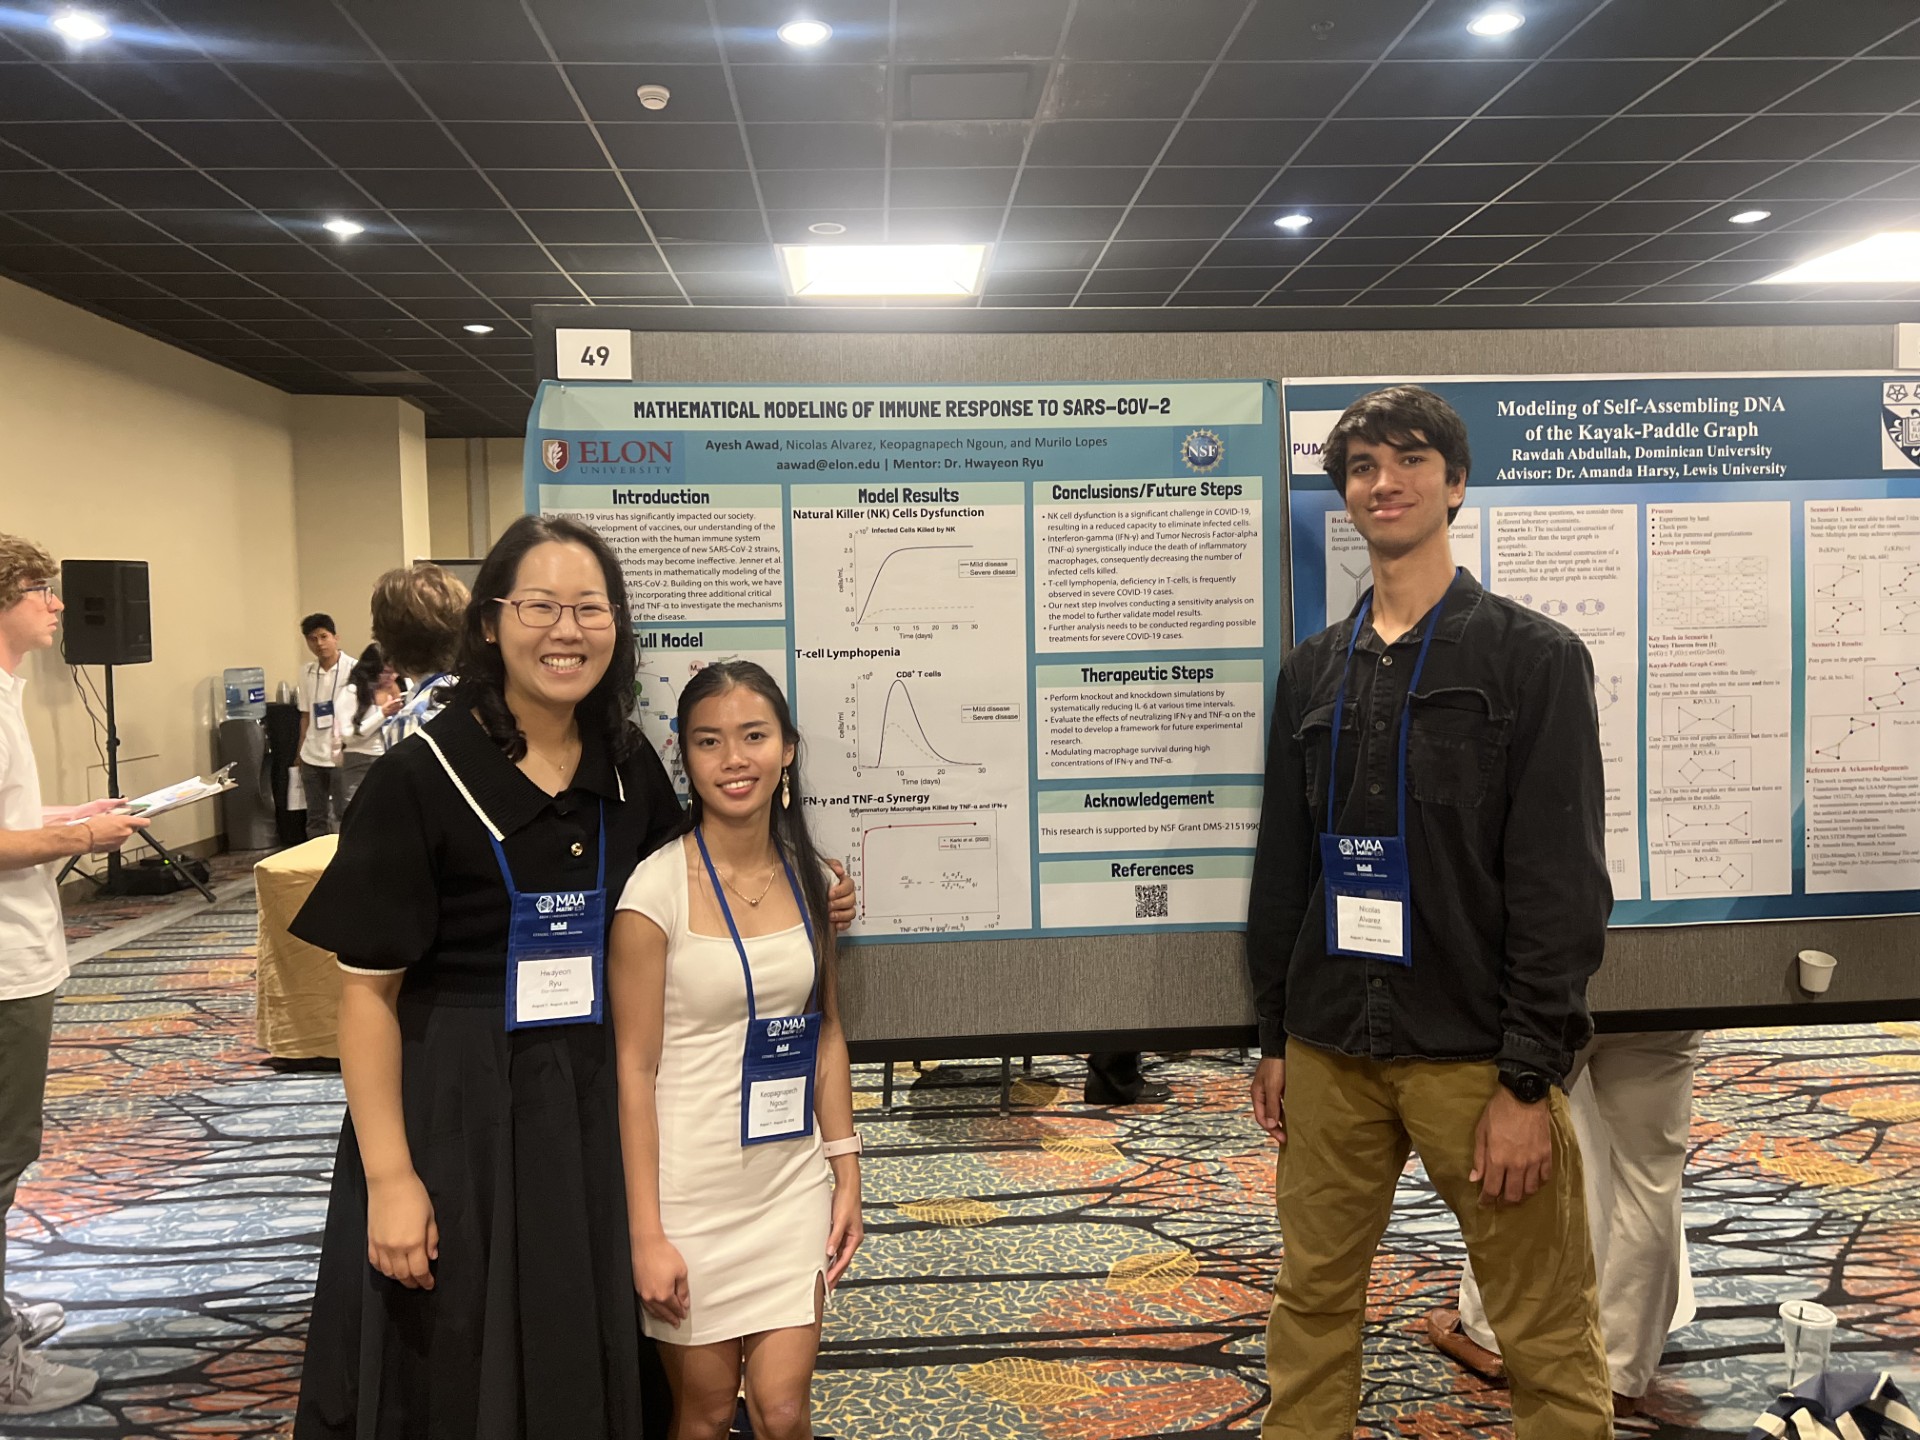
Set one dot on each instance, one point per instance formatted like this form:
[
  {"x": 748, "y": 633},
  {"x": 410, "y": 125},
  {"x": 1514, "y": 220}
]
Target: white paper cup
[
  {"x": 1806, "y": 1329},
  {"x": 1816, "y": 971}
]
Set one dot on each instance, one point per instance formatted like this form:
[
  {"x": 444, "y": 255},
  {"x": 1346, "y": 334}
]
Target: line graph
[
  {"x": 905, "y": 588},
  {"x": 932, "y": 866},
  {"x": 1837, "y": 581},
  {"x": 898, "y": 735}
]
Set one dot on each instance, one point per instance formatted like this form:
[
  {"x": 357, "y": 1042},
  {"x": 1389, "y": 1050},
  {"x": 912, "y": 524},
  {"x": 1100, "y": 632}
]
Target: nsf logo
[
  {"x": 1202, "y": 451},
  {"x": 553, "y": 454}
]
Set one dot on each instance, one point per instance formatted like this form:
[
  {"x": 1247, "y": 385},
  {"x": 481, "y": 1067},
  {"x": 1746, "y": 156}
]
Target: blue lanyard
[
  {"x": 506, "y": 874},
  {"x": 1406, "y": 710},
  {"x": 720, "y": 894}
]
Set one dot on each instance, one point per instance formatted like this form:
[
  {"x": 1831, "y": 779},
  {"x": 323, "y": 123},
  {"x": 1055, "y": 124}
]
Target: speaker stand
[{"x": 116, "y": 881}]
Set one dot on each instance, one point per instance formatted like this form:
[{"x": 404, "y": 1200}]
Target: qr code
[{"x": 1149, "y": 902}]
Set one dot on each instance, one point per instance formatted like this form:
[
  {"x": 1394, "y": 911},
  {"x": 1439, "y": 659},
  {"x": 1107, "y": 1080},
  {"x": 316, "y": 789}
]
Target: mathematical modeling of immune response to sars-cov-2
[
  {"x": 1741, "y": 554},
  {"x": 1030, "y": 632}
]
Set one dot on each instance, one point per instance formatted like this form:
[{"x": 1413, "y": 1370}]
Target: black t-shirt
[{"x": 415, "y": 886}]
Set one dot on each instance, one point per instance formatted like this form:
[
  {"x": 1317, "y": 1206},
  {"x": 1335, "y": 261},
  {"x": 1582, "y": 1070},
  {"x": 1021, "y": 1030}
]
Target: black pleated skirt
[{"x": 532, "y": 1330}]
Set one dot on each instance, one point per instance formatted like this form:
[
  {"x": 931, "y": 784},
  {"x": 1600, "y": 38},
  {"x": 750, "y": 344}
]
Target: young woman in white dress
[{"x": 736, "y": 1104}]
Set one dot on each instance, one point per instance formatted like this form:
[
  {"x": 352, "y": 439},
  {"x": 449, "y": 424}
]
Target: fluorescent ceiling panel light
[
  {"x": 1892, "y": 257},
  {"x": 80, "y": 26},
  {"x": 1294, "y": 222},
  {"x": 343, "y": 228},
  {"x": 1492, "y": 23},
  {"x": 1749, "y": 217},
  {"x": 933, "y": 270},
  {"x": 478, "y": 329},
  {"x": 804, "y": 33}
]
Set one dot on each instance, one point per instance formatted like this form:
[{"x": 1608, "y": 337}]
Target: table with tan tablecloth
[{"x": 297, "y": 987}]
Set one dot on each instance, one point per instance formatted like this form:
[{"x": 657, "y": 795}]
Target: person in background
[
  {"x": 319, "y": 700},
  {"x": 1114, "y": 1078},
  {"x": 736, "y": 1102},
  {"x": 1631, "y": 1099},
  {"x": 1429, "y": 898},
  {"x": 417, "y": 612},
  {"x": 368, "y": 700},
  {"x": 33, "y": 959}
]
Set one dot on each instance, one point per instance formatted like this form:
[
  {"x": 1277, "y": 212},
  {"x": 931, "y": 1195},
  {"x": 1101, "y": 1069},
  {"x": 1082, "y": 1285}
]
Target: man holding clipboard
[{"x": 33, "y": 957}]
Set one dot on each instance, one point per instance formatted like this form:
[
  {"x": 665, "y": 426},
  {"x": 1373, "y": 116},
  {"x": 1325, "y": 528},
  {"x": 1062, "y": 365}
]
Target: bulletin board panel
[{"x": 1183, "y": 988}]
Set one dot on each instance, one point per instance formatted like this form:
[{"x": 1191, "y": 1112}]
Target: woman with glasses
[{"x": 476, "y": 1280}]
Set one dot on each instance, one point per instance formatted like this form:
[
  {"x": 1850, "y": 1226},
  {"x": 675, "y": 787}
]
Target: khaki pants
[{"x": 1350, "y": 1124}]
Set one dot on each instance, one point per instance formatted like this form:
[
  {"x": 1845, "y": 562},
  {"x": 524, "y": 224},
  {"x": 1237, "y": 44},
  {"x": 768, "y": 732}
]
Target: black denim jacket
[{"x": 1505, "y": 841}]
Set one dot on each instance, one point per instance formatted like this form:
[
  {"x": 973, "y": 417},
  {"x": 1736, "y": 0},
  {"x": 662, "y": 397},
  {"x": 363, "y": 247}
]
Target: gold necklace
[
  {"x": 562, "y": 768},
  {"x": 753, "y": 900}
]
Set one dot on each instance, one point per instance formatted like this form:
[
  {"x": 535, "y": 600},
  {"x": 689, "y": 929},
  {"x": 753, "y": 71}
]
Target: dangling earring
[{"x": 786, "y": 791}]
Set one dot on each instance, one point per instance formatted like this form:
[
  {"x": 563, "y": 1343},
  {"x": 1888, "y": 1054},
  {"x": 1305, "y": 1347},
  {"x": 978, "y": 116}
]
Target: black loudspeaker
[{"x": 109, "y": 619}]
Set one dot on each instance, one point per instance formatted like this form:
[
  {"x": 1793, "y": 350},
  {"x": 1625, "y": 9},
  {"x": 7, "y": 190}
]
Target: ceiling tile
[
  {"x": 955, "y": 226},
  {"x": 668, "y": 31},
  {"x": 822, "y": 189},
  {"x": 950, "y": 186},
  {"x": 693, "y": 189},
  {"x": 485, "y": 30},
  {"x": 164, "y": 90},
  {"x": 236, "y": 144},
  {"x": 779, "y": 93},
  {"x": 1428, "y": 88},
  {"x": 1095, "y": 90},
  {"x": 815, "y": 146},
  {"x": 1455, "y": 184},
  {"x": 1062, "y": 222},
  {"x": 163, "y": 189},
  {"x": 439, "y": 189},
  {"x": 600, "y": 189},
  {"x": 1238, "y": 142},
  {"x": 1089, "y": 185},
  {"x": 1375, "y": 142},
  {"x": 1648, "y": 137},
  {"x": 22, "y": 190},
  {"x": 293, "y": 190},
  {"x": 1866, "y": 87},
  {"x": 938, "y": 31},
  {"x": 30, "y": 91},
  {"x": 1781, "y": 137},
  {"x": 749, "y": 26},
  {"x": 740, "y": 226},
  {"x": 1190, "y": 222},
  {"x": 607, "y": 259},
  {"x": 959, "y": 142},
  {"x": 492, "y": 92},
  {"x": 371, "y": 144},
  {"x": 1579, "y": 182},
  {"x": 1819, "y": 27},
  {"x": 89, "y": 145},
  {"x": 1126, "y": 29},
  {"x": 699, "y": 92},
  {"x": 233, "y": 227},
  {"x": 1582, "y": 87},
  {"x": 1630, "y": 28},
  {"x": 463, "y": 227},
  {"x": 1096, "y": 142},
  {"x": 587, "y": 227},
  {"x": 1704, "y": 181},
  {"x": 1204, "y": 185},
  {"x": 1311, "y": 188},
  {"x": 1507, "y": 141},
  {"x": 329, "y": 92},
  {"x": 1276, "y": 91},
  {"x": 1732, "y": 87}
]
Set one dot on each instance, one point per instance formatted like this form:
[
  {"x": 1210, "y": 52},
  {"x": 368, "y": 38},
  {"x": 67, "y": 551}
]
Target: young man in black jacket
[{"x": 1429, "y": 897}]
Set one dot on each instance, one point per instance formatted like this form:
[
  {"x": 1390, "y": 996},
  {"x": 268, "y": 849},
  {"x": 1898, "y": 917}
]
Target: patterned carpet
[{"x": 1061, "y": 1273}]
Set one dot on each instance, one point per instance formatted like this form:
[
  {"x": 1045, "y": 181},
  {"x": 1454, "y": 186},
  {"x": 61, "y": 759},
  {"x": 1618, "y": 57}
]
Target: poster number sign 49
[{"x": 1030, "y": 632}]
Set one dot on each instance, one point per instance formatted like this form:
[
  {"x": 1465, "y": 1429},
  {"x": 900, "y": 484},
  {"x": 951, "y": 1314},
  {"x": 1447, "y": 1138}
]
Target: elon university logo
[{"x": 554, "y": 454}]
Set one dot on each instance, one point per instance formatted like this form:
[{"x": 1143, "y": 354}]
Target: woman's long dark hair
[
  {"x": 788, "y": 822},
  {"x": 365, "y": 679},
  {"x": 608, "y": 707}
]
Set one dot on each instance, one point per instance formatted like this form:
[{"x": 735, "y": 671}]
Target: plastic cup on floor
[
  {"x": 1807, "y": 1331},
  {"x": 1816, "y": 971}
]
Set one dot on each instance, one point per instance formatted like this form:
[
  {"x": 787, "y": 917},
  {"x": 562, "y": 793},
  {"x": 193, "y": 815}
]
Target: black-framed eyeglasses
[
  {"x": 545, "y": 614},
  {"x": 48, "y": 592}
]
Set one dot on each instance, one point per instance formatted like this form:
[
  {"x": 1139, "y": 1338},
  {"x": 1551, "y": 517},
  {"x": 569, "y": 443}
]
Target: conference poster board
[
  {"x": 1741, "y": 555},
  {"x": 1030, "y": 631}
]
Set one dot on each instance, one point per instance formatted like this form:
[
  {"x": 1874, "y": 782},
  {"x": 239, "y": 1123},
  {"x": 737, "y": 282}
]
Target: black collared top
[
  {"x": 1505, "y": 841},
  {"x": 415, "y": 886}
]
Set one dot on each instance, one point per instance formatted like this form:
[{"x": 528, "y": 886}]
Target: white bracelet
[{"x": 848, "y": 1146}]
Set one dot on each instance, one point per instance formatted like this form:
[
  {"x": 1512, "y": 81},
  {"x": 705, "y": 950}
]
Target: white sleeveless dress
[{"x": 751, "y": 1221}]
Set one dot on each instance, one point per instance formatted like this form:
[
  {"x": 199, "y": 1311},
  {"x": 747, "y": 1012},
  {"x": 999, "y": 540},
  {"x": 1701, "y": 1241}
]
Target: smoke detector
[{"x": 654, "y": 97}]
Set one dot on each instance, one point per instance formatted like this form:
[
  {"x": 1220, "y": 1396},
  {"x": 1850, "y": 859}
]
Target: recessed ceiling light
[
  {"x": 1749, "y": 217},
  {"x": 1892, "y": 257},
  {"x": 343, "y": 228},
  {"x": 1490, "y": 23},
  {"x": 79, "y": 25},
  {"x": 828, "y": 270},
  {"x": 1294, "y": 222},
  {"x": 805, "y": 33},
  {"x": 478, "y": 329},
  {"x": 827, "y": 227}
]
